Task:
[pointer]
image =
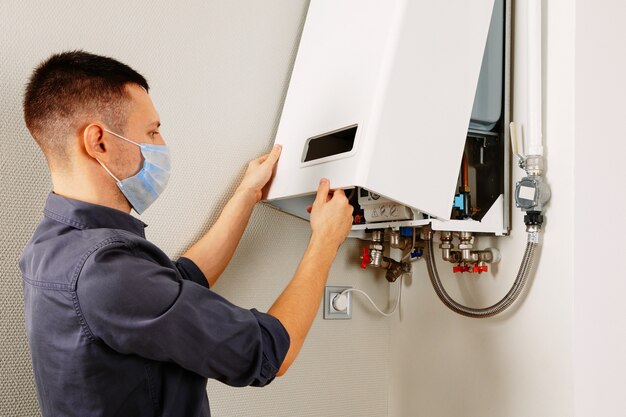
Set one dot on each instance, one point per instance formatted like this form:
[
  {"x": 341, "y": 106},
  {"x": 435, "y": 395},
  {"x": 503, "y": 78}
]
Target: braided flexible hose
[{"x": 500, "y": 306}]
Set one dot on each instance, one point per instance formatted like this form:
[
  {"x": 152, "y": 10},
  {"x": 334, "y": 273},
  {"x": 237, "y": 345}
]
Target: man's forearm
[
  {"x": 215, "y": 249},
  {"x": 298, "y": 304}
]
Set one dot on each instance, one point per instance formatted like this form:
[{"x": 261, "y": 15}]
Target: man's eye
[{"x": 156, "y": 132}]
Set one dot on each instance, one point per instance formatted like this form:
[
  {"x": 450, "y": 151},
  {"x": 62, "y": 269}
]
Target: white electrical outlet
[{"x": 330, "y": 312}]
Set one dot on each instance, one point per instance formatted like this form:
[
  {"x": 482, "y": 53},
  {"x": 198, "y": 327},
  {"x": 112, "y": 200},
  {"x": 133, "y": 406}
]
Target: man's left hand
[{"x": 259, "y": 173}]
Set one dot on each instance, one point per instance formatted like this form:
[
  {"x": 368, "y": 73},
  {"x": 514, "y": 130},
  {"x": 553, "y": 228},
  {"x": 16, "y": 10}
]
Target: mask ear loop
[
  {"x": 104, "y": 166},
  {"x": 122, "y": 137},
  {"x": 108, "y": 171}
]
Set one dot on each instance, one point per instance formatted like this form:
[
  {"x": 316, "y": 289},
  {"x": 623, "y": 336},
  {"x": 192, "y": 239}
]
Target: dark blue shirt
[{"x": 116, "y": 328}]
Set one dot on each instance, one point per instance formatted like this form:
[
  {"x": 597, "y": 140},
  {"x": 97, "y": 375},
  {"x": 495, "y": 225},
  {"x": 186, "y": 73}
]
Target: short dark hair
[{"x": 70, "y": 88}]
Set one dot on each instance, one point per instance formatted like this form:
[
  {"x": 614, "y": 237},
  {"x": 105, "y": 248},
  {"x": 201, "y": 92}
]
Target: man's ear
[{"x": 93, "y": 140}]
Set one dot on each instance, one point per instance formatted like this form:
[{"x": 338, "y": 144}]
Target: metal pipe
[
  {"x": 397, "y": 241},
  {"x": 446, "y": 246},
  {"x": 500, "y": 306},
  {"x": 465, "y": 174}
]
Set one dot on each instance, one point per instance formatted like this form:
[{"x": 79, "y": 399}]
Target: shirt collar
[{"x": 83, "y": 215}]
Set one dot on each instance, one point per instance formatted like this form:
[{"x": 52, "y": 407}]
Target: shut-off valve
[
  {"x": 374, "y": 254},
  {"x": 464, "y": 256}
]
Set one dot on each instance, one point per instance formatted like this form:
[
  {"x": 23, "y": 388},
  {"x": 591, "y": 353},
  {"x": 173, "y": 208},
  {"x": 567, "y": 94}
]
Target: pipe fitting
[
  {"x": 451, "y": 256},
  {"x": 446, "y": 241},
  {"x": 395, "y": 269},
  {"x": 465, "y": 254},
  {"x": 534, "y": 165},
  {"x": 489, "y": 255},
  {"x": 466, "y": 241},
  {"x": 426, "y": 233},
  {"x": 398, "y": 241},
  {"x": 377, "y": 236},
  {"x": 468, "y": 255},
  {"x": 376, "y": 258}
]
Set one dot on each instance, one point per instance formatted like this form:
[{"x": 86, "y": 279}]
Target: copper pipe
[{"x": 465, "y": 174}]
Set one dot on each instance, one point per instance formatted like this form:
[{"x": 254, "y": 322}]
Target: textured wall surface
[{"x": 218, "y": 71}]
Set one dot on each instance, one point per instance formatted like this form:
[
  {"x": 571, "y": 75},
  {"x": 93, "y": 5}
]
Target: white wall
[
  {"x": 518, "y": 364},
  {"x": 599, "y": 206}
]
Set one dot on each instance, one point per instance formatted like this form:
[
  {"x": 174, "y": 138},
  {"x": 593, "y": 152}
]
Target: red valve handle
[
  {"x": 365, "y": 259},
  {"x": 475, "y": 269}
]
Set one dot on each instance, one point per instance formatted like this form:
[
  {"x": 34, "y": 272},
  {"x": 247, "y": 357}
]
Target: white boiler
[{"x": 403, "y": 103}]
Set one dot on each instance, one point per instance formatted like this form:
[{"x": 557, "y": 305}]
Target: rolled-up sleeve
[
  {"x": 190, "y": 271},
  {"x": 137, "y": 306}
]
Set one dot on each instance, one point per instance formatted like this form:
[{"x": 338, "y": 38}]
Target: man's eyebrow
[{"x": 156, "y": 123}]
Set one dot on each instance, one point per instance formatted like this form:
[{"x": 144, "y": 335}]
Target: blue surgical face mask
[{"x": 143, "y": 188}]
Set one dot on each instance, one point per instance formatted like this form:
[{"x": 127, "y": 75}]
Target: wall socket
[{"x": 330, "y": 313}]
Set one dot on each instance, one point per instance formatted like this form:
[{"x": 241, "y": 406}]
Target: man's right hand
[
  {"x": 297, "y": 306},
  {"x": 331, "y": 215}
]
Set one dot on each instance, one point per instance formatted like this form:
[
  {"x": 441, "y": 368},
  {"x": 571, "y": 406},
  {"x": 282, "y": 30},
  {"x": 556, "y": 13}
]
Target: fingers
[
  {"x": 325, "y": 194},
  {"x": 322, "y": 191},
  {"x": 331, "y": 213},
  {"x": 273, "y": 156},
  {"x": 339, "y": 193}
]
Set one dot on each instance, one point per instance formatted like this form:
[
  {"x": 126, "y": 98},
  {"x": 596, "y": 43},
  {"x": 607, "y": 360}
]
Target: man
[{"x": 116, "y": 328}]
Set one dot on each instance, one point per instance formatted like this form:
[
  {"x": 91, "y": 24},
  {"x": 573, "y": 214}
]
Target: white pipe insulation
[{"x": 533, "y": 137}]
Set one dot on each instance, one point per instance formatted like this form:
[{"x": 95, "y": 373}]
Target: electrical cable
[{"x": 386, "y": 314}]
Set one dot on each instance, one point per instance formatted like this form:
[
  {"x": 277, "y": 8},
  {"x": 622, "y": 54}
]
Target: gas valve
[
  {"x": 373, "y": 255},
  {"x": 365, "y": 258}
]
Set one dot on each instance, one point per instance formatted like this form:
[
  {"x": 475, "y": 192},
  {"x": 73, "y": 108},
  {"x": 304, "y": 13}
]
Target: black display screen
[{"x": 329, "y": 144}]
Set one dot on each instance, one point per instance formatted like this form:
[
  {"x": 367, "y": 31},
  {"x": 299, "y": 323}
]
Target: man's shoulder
[{"x": 55, "y": 254}]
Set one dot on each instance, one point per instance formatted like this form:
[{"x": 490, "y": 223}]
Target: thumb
[
  {"x": 322, "y": 191},
  {"x": 273, "y": 156}
]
